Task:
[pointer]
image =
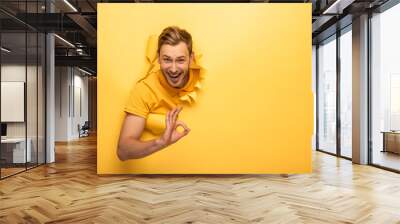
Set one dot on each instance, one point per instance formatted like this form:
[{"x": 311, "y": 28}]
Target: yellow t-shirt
[{"x": 152, "y": 97}]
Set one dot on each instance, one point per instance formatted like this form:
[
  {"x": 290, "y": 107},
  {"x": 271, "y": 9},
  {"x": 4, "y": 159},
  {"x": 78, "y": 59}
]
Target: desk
[
  {"x": 391, "y": 141},
  {"x": 15, "y": 148}
]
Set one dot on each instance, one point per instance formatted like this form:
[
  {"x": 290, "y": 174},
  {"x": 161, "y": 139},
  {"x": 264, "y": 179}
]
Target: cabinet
[{"x": 391, "y": 142}]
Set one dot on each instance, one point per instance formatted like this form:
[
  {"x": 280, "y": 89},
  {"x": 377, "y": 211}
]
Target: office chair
[{"x": 84, "y": 130}]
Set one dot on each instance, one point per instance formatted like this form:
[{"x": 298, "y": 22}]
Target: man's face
[{"x": 174, "y": 63}]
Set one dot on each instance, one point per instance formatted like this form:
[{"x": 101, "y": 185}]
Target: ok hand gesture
[{"x": 171, "y": 134}]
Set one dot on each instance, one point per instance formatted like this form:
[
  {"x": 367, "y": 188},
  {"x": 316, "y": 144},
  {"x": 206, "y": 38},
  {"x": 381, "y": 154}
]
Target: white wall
[
  {"x": 9, "y": 73},
  {"x": 71, "y": 93},
  {"x": 12, "y": 73},
  {"x": 62, "y": 80},
  {"x": 81, "y": 100}
]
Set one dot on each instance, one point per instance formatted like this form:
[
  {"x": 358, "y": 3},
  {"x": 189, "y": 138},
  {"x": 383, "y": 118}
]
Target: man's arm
[{"x": 131, "y": 147}]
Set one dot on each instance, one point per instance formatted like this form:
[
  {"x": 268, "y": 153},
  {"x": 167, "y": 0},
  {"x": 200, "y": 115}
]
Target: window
[
  {"x": 385, "y": 88},
  {"x": 346, "y": 93},
  {"x": 327, "y": 95}
]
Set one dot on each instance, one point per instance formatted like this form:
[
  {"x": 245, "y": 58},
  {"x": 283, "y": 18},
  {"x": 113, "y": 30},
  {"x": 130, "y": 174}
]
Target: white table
[{"x": 19, "y": 155}]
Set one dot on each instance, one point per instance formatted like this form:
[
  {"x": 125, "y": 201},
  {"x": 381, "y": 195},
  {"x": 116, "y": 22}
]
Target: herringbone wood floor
[{"x": 70, "y": 191}]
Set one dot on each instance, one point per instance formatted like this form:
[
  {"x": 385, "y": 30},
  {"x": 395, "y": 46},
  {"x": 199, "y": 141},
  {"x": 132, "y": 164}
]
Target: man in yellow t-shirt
[{"x": 160, "y": 92}]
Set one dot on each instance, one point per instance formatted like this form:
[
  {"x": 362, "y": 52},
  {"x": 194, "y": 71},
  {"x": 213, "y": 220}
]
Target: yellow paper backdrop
[{"x": 255, "y": 112}]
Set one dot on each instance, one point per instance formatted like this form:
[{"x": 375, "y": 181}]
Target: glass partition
[
  {"x": 14, "y": 153},
  {"x": 22, "y": 88}
]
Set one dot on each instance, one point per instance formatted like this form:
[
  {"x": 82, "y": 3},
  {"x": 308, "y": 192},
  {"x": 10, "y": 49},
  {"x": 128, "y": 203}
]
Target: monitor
[{"x": 3, "y": 129}]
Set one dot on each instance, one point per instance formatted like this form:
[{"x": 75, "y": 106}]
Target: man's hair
[{"x": 173, "y": 35}]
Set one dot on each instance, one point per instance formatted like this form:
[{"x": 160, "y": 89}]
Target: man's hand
[
  {"x": 131, "y": 147},
  {"x": 171, "y": 134}
]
